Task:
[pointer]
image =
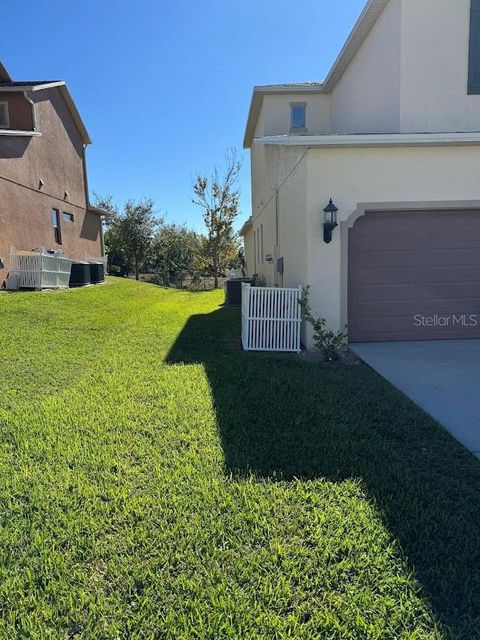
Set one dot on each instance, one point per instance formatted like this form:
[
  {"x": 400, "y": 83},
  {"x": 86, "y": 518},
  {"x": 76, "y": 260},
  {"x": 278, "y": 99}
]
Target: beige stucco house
[{"x": 393, "y": 137}]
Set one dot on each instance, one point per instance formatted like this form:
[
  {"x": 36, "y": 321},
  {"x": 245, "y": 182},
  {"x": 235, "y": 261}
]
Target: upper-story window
[
  {"x": 298, "y": 121},
  {"x": 474, "y": 55},
  {"x": 4, "y": 116},
  {"x": 68, "y": 217}
]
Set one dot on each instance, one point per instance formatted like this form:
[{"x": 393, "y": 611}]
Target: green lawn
[{"x": 158, "y": 483}]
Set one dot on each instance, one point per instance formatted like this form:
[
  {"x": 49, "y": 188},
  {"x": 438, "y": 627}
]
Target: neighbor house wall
[
  {"x": 435, "y": 56},
  {"x": 367, "y": 97},
  {"x": 381, "y": 178},
  {"x": 55, "y": 157},
  {"x": 19, "y": 109}
]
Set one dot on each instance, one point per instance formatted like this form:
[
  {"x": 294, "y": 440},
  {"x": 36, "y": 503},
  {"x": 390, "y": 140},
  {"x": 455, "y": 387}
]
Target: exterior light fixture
[{"x": 330, "y": 222}]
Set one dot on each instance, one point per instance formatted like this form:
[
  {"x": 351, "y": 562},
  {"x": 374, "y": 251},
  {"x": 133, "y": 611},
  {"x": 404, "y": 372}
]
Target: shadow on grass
[{"x": 280, "y": 418}]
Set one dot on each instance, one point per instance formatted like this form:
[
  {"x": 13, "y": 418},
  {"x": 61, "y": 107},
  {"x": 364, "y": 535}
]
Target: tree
[
  {"x": 218, "y": 197},
  {"x": 131, "y": 231},
  {"x": 177, "y": 254}
]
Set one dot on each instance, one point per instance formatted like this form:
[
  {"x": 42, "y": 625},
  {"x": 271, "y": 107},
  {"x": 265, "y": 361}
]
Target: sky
[{"x": 164, "y": 86}]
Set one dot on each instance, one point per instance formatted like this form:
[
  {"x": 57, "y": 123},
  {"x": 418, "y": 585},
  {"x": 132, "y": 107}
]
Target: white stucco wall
[
  {"x": 284, "y": 169},
  {"x": 367, "y": 97},
  {"x": 276, "y": 113},
  {"x": 435, "y": 53},
  {"x": 400, "y": 177}
]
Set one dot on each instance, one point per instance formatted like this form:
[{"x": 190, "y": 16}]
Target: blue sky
[{"x": 164, "y": 86}]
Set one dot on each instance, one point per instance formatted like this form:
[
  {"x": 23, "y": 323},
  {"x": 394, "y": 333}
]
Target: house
[
  {"x": 43, "y": 180},
  {"x": 392, "y": 136}
]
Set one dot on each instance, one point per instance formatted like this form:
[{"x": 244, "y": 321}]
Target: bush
[{"x": 331, "y": 343}]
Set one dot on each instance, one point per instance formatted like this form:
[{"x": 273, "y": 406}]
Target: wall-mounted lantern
[{"x": 330, "y": 222}]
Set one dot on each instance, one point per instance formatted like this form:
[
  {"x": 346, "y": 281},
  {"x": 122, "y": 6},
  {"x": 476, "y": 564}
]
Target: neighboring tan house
[
  {"x": 393, "y": 137},
  {"x": 43, "y": 181}
]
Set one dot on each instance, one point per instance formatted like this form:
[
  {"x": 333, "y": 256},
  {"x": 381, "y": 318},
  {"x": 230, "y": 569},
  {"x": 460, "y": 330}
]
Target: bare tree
[{"x": 219, "y": 197}]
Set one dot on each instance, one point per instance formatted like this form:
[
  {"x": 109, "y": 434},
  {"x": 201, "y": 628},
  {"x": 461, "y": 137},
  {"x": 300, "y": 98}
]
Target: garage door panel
[
  {"x": 386, "y": 258},
  {"x": 419, "y": 285}
]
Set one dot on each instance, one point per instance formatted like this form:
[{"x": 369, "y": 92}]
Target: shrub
[{"x": 331, "y": 343}]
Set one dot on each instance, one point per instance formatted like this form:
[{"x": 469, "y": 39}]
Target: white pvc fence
[
  {"x": 271, "y": 318},
  {"x": 34, "y": 270}
]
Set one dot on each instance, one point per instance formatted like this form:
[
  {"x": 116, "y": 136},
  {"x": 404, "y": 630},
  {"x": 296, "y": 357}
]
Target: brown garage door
[{"x": 414, "y": 276}]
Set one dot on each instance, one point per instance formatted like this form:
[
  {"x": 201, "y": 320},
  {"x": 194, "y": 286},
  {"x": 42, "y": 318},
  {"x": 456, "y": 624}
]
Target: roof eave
[
  {"x": 246, "y": 227},
  {"x": 67, "y": 97},
  {"x": 76, "y": 115},
  {"x": 357, "y": 37},
  {"x": 4, "y": 75},
  {"x": 375, "y": 140},
  {"x": 272, "y": 89},
  {"x": 97, "y": 210}
]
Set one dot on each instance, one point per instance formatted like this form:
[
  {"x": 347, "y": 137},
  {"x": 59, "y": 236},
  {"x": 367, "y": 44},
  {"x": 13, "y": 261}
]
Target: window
[
  {"x": 4, "y": 116},
  {"x": 298, "y": 116},
  {"x": 57, "y": 234},
  {"x": 68, "y": 217},
  {"x": 255, "y": 250},
  {"x": 474, "y": 54}
]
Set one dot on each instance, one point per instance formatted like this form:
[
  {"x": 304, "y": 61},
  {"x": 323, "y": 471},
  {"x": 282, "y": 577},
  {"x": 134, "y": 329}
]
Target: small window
[
  {"x": 68, "y": 217},
  {"x": 474, "y": 52},
  {"x": 57, "y": 234},
  {"x": 4, "y": 116},
  {"x": 298, "y": 116}
]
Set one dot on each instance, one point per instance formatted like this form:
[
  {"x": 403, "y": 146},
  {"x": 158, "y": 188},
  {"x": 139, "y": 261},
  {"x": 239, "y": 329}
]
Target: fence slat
[{"x": 271, "y": 318}]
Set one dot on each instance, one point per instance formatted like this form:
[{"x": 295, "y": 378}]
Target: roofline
[
  {"x": 272, "y": 89},
  {"x": 4, "y": 73},
  {"x": 246, "y": 226},
  {"x": 375, "y": 140},
  {"x": 97, "y": 210},
  {"x": 357, "y": 37},
  {"x": 67, "y": 97},
  {"x": 75, "y": 114},
  {"x": 31, "y": 87}
]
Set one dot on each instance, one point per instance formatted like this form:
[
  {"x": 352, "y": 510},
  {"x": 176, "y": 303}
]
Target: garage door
[{"x": 414, "y": 276}]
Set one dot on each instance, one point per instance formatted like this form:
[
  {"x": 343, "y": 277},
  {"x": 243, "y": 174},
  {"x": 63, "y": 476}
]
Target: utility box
[{"x": 233, "y": 291}]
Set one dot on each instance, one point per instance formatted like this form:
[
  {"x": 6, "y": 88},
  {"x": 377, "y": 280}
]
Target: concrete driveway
[{"x": 441, "y": 377}]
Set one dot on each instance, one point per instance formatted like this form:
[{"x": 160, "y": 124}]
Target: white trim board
[{"x": 373, "y": 140}]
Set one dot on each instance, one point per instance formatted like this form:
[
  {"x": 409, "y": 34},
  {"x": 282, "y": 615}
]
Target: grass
[{"x": 158, "y": 483}]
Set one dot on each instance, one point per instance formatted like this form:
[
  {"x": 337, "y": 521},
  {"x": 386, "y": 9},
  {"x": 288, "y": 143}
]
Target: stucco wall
[
  {"x": 276, "y": 114},
  {"x": 372, "y": 177},
  {"x": 435, "y": 53},
  {"x": 367, "y": 97},
  {"x": 281, "y": 190},
  {"x": 56, "y": 158},
  {"x": 20, "y": 111}
]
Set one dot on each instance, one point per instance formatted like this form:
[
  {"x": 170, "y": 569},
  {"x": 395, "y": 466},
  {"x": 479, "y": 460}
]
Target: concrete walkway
[{"x": 441, "y": 377}]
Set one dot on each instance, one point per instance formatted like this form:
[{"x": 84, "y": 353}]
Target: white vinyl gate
[{"x": 271, "y": 318}]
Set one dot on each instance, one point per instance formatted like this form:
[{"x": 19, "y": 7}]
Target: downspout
[
  {"x": 32, "y": 106},
  {"x": 87, "y": 196}
]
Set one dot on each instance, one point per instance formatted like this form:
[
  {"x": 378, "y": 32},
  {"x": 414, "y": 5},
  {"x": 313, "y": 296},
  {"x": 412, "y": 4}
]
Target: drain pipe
[{"x": 32, "y": 106}]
